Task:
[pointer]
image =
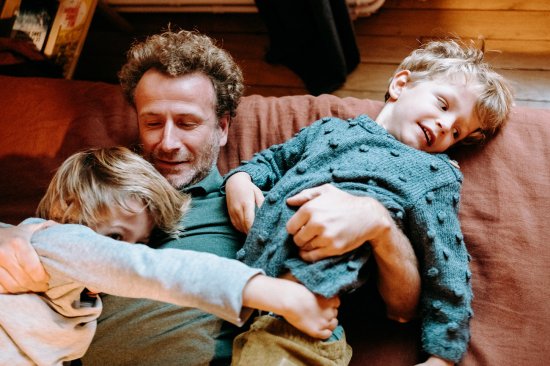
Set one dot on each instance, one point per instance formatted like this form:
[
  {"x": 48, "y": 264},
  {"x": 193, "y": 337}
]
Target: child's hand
[
  {"x": 313, "y": 315},
  {"x": 242, "y": 198},
  {"x": 436, "y": 361}
]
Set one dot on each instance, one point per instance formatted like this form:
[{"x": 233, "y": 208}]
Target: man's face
[
  {"x": 178, "y": 127},
  {"x": 430, "y": 115}
]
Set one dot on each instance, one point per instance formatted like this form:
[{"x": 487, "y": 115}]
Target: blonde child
[
  {"x": 121, "y": 196},
  {"x": 441, "y": 94}
]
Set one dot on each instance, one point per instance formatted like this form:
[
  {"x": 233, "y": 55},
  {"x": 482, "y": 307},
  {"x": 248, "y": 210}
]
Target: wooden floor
[{"x": 514, "y": 34}]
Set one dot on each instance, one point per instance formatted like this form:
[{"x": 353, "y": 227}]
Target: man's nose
[{"x": 169, "y": 139}]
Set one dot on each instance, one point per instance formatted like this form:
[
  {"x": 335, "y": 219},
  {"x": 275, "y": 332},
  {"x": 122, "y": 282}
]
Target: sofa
[{"x": 504, "y": 205}]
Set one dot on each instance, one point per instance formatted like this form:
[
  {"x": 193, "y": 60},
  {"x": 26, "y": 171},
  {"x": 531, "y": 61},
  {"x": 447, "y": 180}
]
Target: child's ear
[{"x": 398, "y": 83}]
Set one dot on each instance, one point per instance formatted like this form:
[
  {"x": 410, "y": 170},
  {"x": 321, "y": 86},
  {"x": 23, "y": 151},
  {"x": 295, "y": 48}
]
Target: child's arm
[
  {"x": 268, "y": 166},
  {"x": 244, "y": 184},
  {"x": 217, "y": 285},
  {"x": 445, "y": 304},
  {"x": 75, "y": 253},
  {"x": 312, "y": 314},
  {"x": 242, "y": 198}
]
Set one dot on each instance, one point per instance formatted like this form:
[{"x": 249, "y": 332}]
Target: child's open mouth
[{"x": 428, "y": 134}]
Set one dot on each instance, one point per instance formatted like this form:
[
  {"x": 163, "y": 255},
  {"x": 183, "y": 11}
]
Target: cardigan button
[
  {"x": 452, "y": 329},
  {"x": 459, "y": 294},
  {"x": 433, "y": 272},
  {"x": 430, "y": 196},
  {"x": 456, "y": 199},
  {"x": 272, "y": 199},
  {"x": 241, "y": 253},
  {"x": 333, "y": 143}
]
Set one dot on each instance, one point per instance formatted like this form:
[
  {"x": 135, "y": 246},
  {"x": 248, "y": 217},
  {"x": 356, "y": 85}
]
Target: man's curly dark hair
[{"x": 181, "y": 53}]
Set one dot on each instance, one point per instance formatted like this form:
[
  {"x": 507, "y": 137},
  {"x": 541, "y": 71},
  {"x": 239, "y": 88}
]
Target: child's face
[
  {"x": 131, "y": 227},
  {"x": 431, "y": 115}
]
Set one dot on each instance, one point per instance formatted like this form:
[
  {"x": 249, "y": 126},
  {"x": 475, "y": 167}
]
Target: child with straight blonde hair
[{"x": 118, "y": 194}]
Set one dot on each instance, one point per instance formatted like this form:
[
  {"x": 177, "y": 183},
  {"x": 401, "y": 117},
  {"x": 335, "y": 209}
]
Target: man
[{"x": 185, "y": 91}]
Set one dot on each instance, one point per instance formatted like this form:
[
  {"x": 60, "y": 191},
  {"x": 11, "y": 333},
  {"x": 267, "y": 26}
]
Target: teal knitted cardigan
[{"x": 421, "y": 192}]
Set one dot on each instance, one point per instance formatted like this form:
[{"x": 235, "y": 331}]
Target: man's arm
[
  {"x": 332, "y": 222},
  {"x": 20, "y": 267},
  {"x": 398, "y": 278}
]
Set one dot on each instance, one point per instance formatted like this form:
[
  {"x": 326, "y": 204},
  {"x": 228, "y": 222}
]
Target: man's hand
[
  {"x": 332, "y": 222},
  {"x": 242, "y": 197},
  {"x": 20, "y": 267}
]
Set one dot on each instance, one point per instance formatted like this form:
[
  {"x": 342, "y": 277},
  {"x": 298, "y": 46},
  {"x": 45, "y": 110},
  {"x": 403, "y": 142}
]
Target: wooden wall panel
[
  {"x": 518, "y": 25},
  {"x": 468, "y": 4}
]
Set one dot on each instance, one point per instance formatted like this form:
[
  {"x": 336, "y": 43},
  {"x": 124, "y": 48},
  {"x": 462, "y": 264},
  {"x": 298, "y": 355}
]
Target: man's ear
[
  {"x": 223, "y": 126},
  {"x": 397, "y": 84}
]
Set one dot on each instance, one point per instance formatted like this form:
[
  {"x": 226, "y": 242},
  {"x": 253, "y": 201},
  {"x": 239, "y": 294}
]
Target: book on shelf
[
  {"x": 68, "y": 33},
  {"x": 33, "y": 21},
  {"x": 58, "y": 28}
]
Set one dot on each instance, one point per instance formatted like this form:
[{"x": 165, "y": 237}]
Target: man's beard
[{"x": 195, "y": 171}]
